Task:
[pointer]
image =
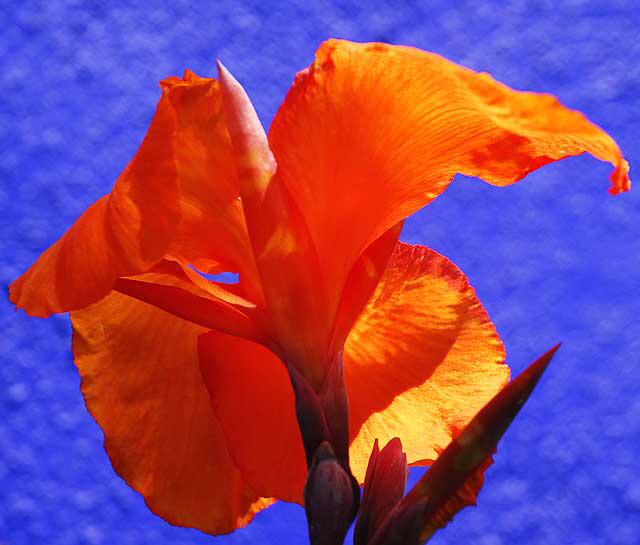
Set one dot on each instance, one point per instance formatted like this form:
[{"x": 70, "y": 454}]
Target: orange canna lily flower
[{"x": 191, "y": 379}]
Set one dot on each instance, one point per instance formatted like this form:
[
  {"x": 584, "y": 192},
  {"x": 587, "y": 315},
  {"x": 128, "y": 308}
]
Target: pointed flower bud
[
  {"x": 384, "y": 486},
  {"x": 254, "y": 158},
  {"x": 292, "y": 278},
  {"x": 329, "y": 499}
]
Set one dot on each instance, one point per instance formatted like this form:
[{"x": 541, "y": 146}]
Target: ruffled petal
[
  {"x": 212, "y": 234},
  {"x": 421, "y": 360},
  {"x": 178, "y": 198},
  {"x": 121, "y": 234},
  {"x": 370, "y": 133},
  {"x": 142, "y": 383},
  {"x": 252, "y": 398}
]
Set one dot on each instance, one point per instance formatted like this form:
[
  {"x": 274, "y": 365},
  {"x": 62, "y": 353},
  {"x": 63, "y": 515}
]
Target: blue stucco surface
[{"x": 552, "y": 258}]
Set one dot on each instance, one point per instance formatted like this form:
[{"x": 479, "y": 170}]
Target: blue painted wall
[{"x": 553, "y": 258}]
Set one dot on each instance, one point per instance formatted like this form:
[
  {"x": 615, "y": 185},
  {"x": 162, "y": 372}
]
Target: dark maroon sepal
[{"x": 309, "y": 413}]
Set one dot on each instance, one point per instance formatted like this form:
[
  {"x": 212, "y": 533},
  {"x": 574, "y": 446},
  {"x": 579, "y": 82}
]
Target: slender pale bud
[
  {"x": 254, "y": 160},
  {"x": 286, "y": 259}
]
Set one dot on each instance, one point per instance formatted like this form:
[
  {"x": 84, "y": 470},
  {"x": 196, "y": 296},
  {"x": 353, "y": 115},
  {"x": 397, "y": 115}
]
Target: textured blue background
[{"x": 553, "y": 258}]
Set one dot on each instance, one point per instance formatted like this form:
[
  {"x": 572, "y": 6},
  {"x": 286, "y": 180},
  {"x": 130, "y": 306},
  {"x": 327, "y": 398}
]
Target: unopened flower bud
[
  {"x": 384, "y": 486},
  {"x": 329, "y": 498}
]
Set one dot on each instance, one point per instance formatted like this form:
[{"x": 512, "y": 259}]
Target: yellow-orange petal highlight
[
  {"x": 121, "y": 234},
  {"x": 252, "y": 398},
  {"x": 142, "y": 383},
  {"x": 370, "y": 133},
  {"x": 422, "y": 359}
]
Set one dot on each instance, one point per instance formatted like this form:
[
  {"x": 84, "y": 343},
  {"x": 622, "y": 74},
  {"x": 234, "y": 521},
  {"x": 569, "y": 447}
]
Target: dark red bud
[
  {"x": 384, "y": 486},
  {"x": 329, "y": 499}
]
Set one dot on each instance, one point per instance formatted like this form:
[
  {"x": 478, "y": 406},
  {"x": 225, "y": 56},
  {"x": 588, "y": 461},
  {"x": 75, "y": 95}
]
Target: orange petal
[
  {"x": 422, "y": 359},
  {"x": 362, "y": 282},
  {"x": 142, "y": 383},
  {"x": 370, "y": 133},
  {"x": 178, "y": 197},
  {"x": 253, "y": 400},
  {"x": 121, "y": 234},
  {"x": 212, "y": 235},
  {"x": 184, "y": 293}
]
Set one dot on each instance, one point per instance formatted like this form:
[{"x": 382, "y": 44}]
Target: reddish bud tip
[{"x": 384, "y": 486}]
